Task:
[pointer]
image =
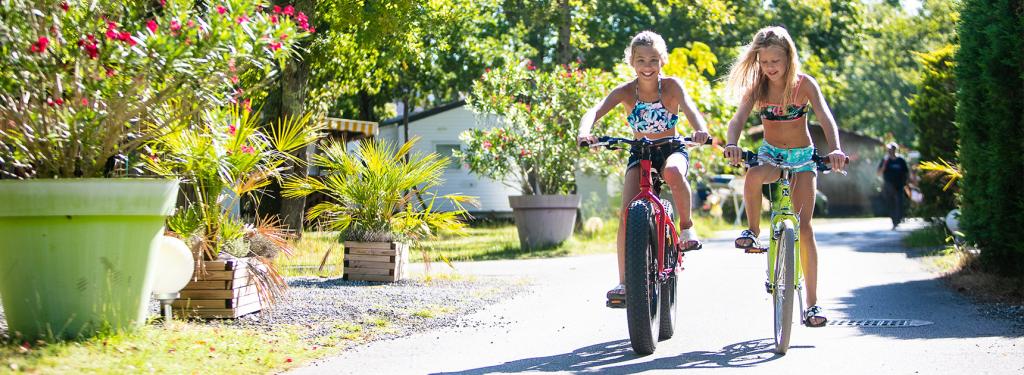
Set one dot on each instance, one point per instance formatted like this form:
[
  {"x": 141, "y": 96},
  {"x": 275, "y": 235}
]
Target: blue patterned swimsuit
[{"x": 651, "y": 117}]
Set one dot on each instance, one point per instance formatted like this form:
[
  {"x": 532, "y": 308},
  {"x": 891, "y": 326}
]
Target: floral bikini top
[
  {"x": 775, "y": 112},
  {"x": 651, "y": 117}
]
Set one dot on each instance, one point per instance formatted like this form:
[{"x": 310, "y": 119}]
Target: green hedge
[
  {"x": 990, "y": 115},
  {"x": 932, "y": 111}
]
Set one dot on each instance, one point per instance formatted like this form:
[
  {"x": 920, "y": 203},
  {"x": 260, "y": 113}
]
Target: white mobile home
[{"x": 439, "y": 129}]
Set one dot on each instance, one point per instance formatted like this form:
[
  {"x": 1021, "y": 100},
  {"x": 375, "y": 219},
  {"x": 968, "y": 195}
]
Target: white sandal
[{"x": 689, "y": 240}]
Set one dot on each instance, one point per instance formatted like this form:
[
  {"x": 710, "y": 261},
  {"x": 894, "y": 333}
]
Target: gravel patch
[
  {"x": 329, "y": 309},
  {"x": 387, "y": 310}
]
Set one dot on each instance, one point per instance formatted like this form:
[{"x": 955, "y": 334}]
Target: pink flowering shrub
[
  {"x": 84, "y": 81},
  {"x": 530, "y": 119}
]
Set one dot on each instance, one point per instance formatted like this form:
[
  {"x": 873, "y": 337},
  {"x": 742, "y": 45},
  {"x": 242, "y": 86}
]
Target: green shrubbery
[
  {"x": 990, "y": 76},
  {"x": 933, "y": 111}
]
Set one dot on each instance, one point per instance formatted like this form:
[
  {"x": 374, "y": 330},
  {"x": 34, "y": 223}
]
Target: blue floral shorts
[{"x": 790, "y": 155}]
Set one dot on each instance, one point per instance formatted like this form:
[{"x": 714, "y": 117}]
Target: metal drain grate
[{"x": 879, "y": 323}]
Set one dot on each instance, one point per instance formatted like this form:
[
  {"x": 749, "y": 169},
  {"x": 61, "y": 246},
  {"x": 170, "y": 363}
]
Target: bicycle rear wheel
[
  {"x": 784, "y": 282},
  {"x": 668, "y": 289},
  {"x": 643, "y": 310}
]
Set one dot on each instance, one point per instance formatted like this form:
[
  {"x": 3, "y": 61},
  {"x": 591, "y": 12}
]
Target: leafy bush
[
  {"x": 529, "y": 124},
  {"x": 933, "y": 111},
  {"x": 990, "y": 79},
  {"x": 84, "y": 81},
  {"x": 376, "y": 194}
]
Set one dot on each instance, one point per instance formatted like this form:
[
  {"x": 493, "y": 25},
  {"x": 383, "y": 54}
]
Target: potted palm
[
  {"x": 381, "y": 201},
  {"x": 528, "y": 121},
  {"x": 222, "y": 156},
  {"x": 84, "y": 84}
]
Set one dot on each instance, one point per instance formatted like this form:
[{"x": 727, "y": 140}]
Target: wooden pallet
[
  {"x": 376, "y": 261},
  {"x": 224, "y": 289}
]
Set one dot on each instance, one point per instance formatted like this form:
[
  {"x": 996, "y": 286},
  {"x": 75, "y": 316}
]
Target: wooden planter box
[
  {"x": 376, "y": 261},
  {"x": 225, "y": 289}
]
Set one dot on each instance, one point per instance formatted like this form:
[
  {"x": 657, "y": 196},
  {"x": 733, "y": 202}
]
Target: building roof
[{"x": 397, "y": 120}]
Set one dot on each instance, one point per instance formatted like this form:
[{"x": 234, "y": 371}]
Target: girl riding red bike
[{"x": 653, "y": 103}]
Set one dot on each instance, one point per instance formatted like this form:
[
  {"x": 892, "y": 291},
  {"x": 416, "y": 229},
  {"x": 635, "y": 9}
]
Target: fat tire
[{"x": 642, "y": 293}]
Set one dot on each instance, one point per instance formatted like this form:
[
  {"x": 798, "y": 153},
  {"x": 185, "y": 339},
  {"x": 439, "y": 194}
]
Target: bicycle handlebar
[
  {"x": 753, "y": 159},
  {"x": 604, "y": 141}
]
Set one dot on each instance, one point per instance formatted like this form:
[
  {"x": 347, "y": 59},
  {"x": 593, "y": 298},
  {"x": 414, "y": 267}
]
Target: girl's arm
[
  {"x": 689, "y": 109},
  {"x": 597, "y": 111},
  {"x": 733, "y": 152},
  {"x": 828, "y": 123}
]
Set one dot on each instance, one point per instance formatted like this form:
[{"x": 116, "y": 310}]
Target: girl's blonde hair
[
  {"x": 649, "y": 39},
  {"x": 745, "y": 76}
]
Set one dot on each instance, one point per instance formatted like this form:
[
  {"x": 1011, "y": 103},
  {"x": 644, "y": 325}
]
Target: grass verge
[
  {"x": 491, "y": 242},
  {"x": 961, "y": 270},
  {"x": 177, "y": 348}
]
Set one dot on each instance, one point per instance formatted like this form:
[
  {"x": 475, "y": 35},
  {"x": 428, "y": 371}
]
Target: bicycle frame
[
  {"x": 782, "y": 210},
  {"x": 662, "y": 220}
]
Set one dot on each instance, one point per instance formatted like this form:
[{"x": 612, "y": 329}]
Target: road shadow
[
  {"x": 611, "y": 358},
  {"x": 952, "y": 315}
]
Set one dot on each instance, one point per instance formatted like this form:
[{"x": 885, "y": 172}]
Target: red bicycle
[{"x": 651, "y": 266}]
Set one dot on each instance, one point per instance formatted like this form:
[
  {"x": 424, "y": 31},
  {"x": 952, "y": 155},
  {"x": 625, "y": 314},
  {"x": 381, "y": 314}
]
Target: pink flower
[
  {"x": 64, "y": 5},
  {"x": 163, "y": 2},
  {"x": 273, "y": 19},
  {"x": 190, "y": 23},
  {"x": 277, "y": 9},
  {"x": 85, "y": 102},
  {"x": 289, "y": 10},
  {"x": 152, "y": 26},
  {"x": 284, "y": 36},
  {"x": 242, "y": 19},
  {"x": 234, "y": 79},
  {"x": 110, "y": 72},
  {"x": 231, "y": 129},
  {"x": 523, "y": 152},
  {"x": 487, "y": 145},
  {"x": 111, "y": 34},
  {"x": 275, "y": 46},
  {"x": 221, "y": 9},
  {"x": 59, "y": 101},
  {"x": 40, "y": 45},
  {"x": 175, "y": 25},
  {"x": 248, "y": 149}
]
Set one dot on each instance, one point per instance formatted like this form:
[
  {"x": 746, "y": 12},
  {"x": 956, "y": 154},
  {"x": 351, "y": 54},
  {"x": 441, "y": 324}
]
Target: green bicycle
[{"x": 785, "y": 275}]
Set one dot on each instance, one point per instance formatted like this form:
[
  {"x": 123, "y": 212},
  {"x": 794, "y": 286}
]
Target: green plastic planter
[{"x": 75, "y": 253}]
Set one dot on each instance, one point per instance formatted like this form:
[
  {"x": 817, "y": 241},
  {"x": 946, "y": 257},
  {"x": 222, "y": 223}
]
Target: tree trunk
[
  {"x": 564, "y": 51},
  {"x": 293, "y": 100}
]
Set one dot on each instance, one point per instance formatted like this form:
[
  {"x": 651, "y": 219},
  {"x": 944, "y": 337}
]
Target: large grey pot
[{"x": 544, "y": 220}]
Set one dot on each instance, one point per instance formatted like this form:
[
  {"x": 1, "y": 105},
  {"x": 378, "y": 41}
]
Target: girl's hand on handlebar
[
  {"x": 586, "y": 139},
  {"x": 734, "y": 153},
  {"x": 700, "y": 137},
  {"x": 837, "y": 159}
]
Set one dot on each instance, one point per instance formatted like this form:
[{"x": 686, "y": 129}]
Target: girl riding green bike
[{"x": 766, "y": 78}]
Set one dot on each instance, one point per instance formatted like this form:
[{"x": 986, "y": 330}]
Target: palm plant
[
  {"x": 225, "y": 150},
  {"x": 377, "y": 194}
]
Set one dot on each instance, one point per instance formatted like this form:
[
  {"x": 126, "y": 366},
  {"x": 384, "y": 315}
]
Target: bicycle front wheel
[
  {"x": 784, "y": 282},
  {"x": 643, "y": 300}
]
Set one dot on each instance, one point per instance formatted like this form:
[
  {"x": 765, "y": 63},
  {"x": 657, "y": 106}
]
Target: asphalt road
[{"x": 724, "y": 322}]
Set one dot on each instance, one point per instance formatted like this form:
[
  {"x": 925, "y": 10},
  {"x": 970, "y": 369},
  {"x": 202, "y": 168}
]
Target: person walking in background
[{"x": 895, "y": 173}]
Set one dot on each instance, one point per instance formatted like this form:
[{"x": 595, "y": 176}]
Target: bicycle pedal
[
  {"x": 755, "y": 250},
  {"x": 768, "y": 287},
  {"x": 616, "y": 303}
]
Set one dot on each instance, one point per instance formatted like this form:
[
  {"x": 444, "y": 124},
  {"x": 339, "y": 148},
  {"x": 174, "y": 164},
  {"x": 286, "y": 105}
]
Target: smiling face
[
  {"x": 773, "y": 62},
  {"x": 646, "y": 62}
]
